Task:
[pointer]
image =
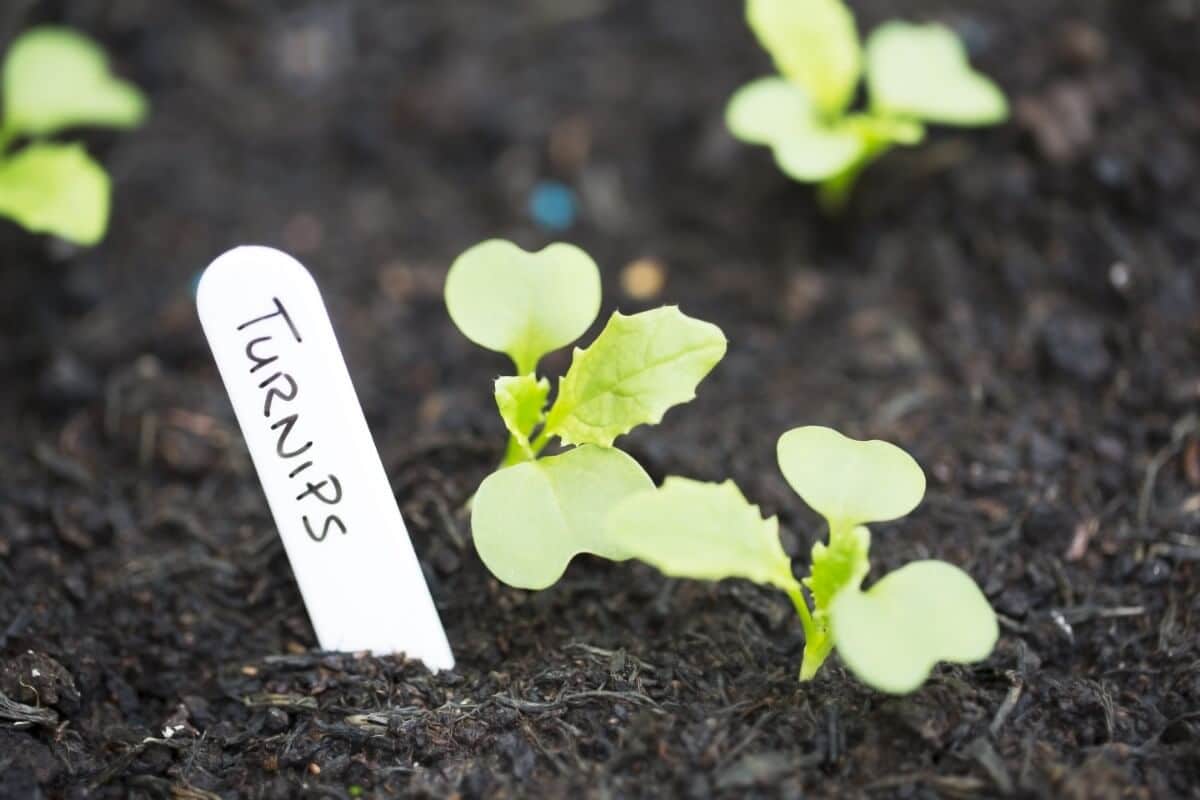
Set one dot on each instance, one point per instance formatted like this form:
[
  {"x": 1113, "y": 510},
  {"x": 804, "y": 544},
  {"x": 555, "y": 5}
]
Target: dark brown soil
[{"x": 1020, "y": 307}]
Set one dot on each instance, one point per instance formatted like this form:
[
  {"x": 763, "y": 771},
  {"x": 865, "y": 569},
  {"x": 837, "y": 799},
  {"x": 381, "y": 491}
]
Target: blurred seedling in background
[
  {"x": 54, "y": 79},
  {"x": 533, "y": 515},
  {"x": 915, "y": 74},
  {"x": 890, "y": 635}
]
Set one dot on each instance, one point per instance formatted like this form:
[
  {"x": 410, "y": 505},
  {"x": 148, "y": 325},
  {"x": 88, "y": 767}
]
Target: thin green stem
[
  {"x": 526, "y": 364},
  {"x": 796, "y": 593},
  {"x": 514, "y": 453},
  {"x": 540, "y": 441}
]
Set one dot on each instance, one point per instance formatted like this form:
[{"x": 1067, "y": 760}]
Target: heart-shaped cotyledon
[
  {"x": 524, "y": 304},
  {"x": 893, "y": 634},
  {"x": 529, "y": 520},
  {"x": 847, "y": 481}
]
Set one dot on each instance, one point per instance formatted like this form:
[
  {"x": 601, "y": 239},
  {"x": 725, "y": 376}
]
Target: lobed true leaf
[
  {"x": 636, "y": 369},
  {"x": 814, "y": 44},
  {"x": 56, "y": 189},
  {"x": 706, "y": 531},
  {"x": 521, "y": 401}
]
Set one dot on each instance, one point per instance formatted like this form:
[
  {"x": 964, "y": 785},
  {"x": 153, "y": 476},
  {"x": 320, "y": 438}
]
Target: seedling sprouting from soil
[
  {"x": 890, "y": 635},
  {"x": 54, "y": 79},
  {"x": 914, "y": 74},
  {"x": 533, "y": 515}
]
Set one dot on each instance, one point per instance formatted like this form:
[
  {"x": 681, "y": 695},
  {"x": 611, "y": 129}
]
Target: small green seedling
[
  {"x": 890, "y": 635},
  {"x": 914, "y": 74},
  {"x": 533, "y": 515},
  {"x": 54, "y": 79}
]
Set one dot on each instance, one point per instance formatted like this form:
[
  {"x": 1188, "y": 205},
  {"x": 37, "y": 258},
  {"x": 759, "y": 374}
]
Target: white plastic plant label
[{"x": 275, "y": 348}]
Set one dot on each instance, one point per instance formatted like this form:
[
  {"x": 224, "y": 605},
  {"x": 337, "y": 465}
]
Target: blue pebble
[{"x": 552, "y": 206}]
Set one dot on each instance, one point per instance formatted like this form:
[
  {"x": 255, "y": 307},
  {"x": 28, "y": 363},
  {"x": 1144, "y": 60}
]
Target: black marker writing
[
  {"x": 279, "y": 311},
  {"x": 330, "y": 521},
  {"x": 282, "y": 387}
]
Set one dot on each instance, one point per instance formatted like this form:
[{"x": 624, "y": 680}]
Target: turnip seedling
[
  {"x": 914, "y": 74},
  {"x": 890, "y": 635},
  {"x": 533, "y": 515},
  {"x": 54, "y": 79}
]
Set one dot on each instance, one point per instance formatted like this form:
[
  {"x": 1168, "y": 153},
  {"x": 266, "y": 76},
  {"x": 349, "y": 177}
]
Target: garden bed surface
[{"x": 1019, "y": 307}]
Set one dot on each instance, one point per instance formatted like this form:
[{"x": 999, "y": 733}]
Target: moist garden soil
[{"x": 1018, "y": 306}]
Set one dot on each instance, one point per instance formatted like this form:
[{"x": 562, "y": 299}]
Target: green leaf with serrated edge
[
  {"x": 638, "y": 367},
  {"x": 56, "y": 189},
  {"x": 922, "y": 71},
  {"x": 778, "y": 114},
  {"x": 55, "y": 78},
  {"x": 523, "y": 304},
  {"x": 814, "y": 44},
  {"x": 892, "y": 635},
  {"x": 840, "y": 565},
  {"x": 531, "y": 519},
  {"x": 705, "y": 531},
  {"x": 521, "y": 401},
  {"x": 847, "y": 481}
]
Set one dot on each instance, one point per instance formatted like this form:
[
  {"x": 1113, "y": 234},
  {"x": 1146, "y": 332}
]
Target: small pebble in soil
[
  {"x": 1061, "y": 120},
  {"x": 643, "y": 278},
  {"x": 570, "y": 143},
  {"x": 1120, "y": 277},
  {"x": 67, "y": 382},
  {"x": 807, "y": 289},
  {"x": 552, "y": 206},
  {"x": 1081, "y": 44},
  {"x": 275, "y": 720},
  {"x": 83, "y": 286},
  {"x": 303, "y": 234},
  {"x": 1075, "y": 346},
  {"x": 1045, "y": 453},
  {"x": 1048, "y": 523},
  {"x": 1154, "y": 572}
]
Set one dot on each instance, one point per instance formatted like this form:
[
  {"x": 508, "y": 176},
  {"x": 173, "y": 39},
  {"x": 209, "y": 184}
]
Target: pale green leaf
[
  {"x": 638, "y": 367},
  {"x": 706, "y": 531},
  {"x": 770, "y": 110},
  {"x": 523, "y": 304},
  {"x": 521, "y": 401},
  {"x": 56, "y": 189},
  {"x": 814, "y": 44},
  {"x": 922, "y": 71},
  {"x": 55, "y": 78},
  {"x": 531, "y": 519},
  {"x": 928, "y": 611},
  {"x": 776, "y": 113},
  {"x": 823, "y": 154},
  {"x": 850, "y": 482}
]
